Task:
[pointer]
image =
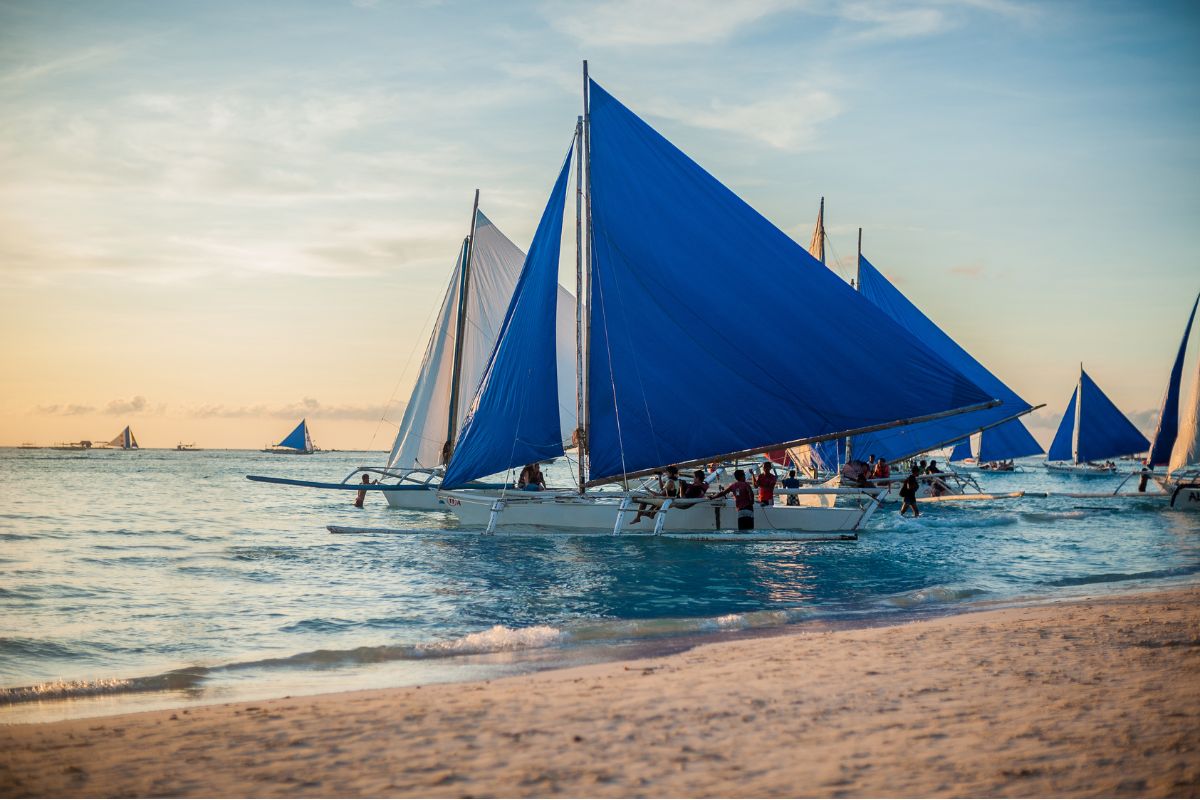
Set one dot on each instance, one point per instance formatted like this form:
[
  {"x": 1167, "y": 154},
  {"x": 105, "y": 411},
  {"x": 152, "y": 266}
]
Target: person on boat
[
  {"x": 531, "y": 479},
  {"x": 871, "y": 465},
  {"x": 362, "y": 493},
  {"x": 908, "y": 493},
  {"x": 937, "y": 486},
  {"x": 697, "y": 488},
  {"x": 765, "y": 483},
  {"x": 791, "y": 482},
  {"x": 923, "y": 466},
  {"x": 882, "y": 471},
  {"x": 743, "y": 499},
  {"x": 671, "y": 487},
  {"x": 854, "y": 473},
  {"x": 713, "y": 477}
]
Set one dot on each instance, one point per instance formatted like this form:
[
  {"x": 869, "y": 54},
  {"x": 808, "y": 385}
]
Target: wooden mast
[
  {"x": 585, "y": 424},
  {"x": 460, "y": 327},
  {"x": 579, "y": 421}
]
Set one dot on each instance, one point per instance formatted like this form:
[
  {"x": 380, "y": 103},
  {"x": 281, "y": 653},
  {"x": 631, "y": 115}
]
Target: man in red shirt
[
  {"x": 743, "y": 499},
  {"x": 766, "y": 485}
]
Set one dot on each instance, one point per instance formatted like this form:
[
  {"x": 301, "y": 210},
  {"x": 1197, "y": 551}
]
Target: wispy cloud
[
  {"x": 788, "y": 119},
  {"x": 86, "y": 58},
  {"x": 974, "y": 271},
  {"x": 71, "y": 410},
  {"x": 308, "y": 407},
  {"x": 659, "y": 22},
  {"x": 132, "y": 406}
]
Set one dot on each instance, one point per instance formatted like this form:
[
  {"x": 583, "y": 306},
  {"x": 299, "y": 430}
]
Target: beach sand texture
[{"x": 1099, "y": 697}]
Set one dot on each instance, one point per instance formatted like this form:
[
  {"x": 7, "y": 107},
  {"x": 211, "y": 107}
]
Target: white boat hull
[
  {"x": 419, "y": 498},
  {"x": 558, "y": 512},
  {"x": 1080, "y": 469},
  {"x": 1186, "y": 497}
]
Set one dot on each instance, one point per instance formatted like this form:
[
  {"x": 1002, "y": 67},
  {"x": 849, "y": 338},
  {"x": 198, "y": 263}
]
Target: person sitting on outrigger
[
  {"x": 937, "y": 487},
  {"x": 697, "y": 488},
  {"x": 669, "y": 488},
  {"x": 531, "y": 479}
]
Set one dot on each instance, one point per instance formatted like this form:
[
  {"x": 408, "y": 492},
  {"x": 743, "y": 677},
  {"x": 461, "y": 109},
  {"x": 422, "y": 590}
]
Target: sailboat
[
  {"x": 1176, "y": 443},
  {"x": 297, "y": 443},
  {"x": 124, "y": 440},
  {"x": 1092, "y": 432},
  {"x": 463, "y": 337},
  {"x": 675, "y": 264},
  {"x": 900, "y": 443},
  {"x": 996, "y": 448}
]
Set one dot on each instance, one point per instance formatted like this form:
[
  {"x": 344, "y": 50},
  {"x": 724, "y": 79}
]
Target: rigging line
[
  {"x": 837, "y": 259},
  {"x": 408, "y": 361},
  {"x": 611, "y": 378},
  {"x": 637, "y": 368}
]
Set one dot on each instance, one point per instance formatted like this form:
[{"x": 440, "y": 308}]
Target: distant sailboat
[
  {"x": 1093, "y": 431},
  {"x": 298, "y": 442},
  {"x": 995, "y": 449},
  {"x": 124, "y": 440}
]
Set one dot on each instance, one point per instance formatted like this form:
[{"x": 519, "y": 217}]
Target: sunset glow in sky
[{"x": 219, "y": 217}]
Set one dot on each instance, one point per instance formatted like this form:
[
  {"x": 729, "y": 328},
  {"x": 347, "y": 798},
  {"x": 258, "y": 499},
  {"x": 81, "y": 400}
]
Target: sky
[{"x": 219, "y": 217}]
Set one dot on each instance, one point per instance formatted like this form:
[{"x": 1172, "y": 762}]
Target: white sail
[
  {"x": 495, "y": 266},
  {"x": 1187, "y": 443},
  {"x": 564, "y": 335}
]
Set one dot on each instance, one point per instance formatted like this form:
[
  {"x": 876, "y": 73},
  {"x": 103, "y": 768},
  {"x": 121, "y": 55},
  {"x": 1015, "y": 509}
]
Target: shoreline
[
  {"x": 109, "y": 696},
  {"x": 1093, "y": 696}
]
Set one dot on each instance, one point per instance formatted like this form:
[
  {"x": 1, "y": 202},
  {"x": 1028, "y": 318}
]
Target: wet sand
[{"x": 1098, "y": 697}]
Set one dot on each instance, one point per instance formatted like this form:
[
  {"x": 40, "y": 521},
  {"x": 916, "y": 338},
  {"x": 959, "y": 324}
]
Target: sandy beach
[{"x": 1097, "y": 697}]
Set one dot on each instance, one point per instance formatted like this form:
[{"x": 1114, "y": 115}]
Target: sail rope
[
  {"x": 426, "y": 325},
  {"x": 611, "y": 378}
]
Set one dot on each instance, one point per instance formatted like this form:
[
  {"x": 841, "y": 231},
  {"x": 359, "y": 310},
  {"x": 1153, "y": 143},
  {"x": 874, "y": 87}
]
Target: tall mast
[
  {"x": 460, "y": 328},
  {"x": 585, "y": 445},
  {"x": 1078, "y": 406},
  {"x": 579, "y": 436},
  {"x": 821, "y": 232},
  {"x": 857, "y": 282}
]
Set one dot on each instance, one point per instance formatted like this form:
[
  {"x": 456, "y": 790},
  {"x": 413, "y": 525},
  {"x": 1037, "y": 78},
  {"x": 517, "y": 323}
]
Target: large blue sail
[
  {"x": 1062, "y": 448},
  {"x": 961, "y": 451},
  {"x": 298, "y": 438},
  {"x": 898, "y": 443},
  {"x": 680, "y": 264},
  {"x": 514, "y": 419},
  {"x": 1007, "y": 441},
  {"x": 1104, "y": 432},
  {"x": 1168, "y": 415}
]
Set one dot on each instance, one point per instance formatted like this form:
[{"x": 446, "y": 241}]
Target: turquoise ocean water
[{"x": 132, "y": 580}]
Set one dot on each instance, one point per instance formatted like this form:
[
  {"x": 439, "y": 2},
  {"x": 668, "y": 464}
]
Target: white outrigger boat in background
[
  {"x": 662, "y": 240},
  {"x": 1006, "y": 436},
  {"x": 460, "y": 344}
]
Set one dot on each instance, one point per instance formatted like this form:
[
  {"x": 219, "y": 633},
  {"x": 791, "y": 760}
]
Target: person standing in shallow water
[
  {"x": 908, "y": 493},
  {"x": 743, "y": 499},
  {"x": 362, "y": 493}
]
